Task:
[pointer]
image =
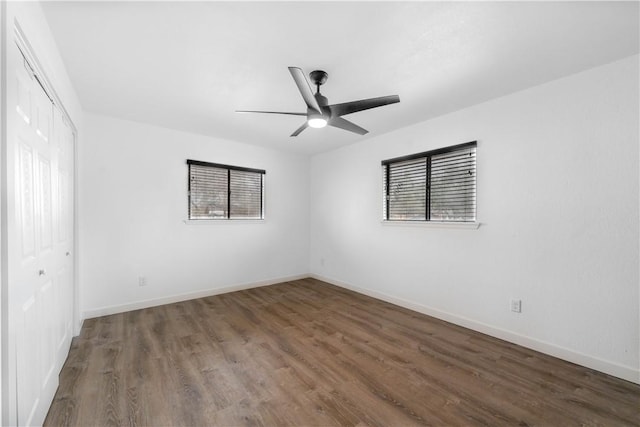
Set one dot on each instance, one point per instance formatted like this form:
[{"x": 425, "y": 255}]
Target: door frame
[{"x": 4, "y": 383}]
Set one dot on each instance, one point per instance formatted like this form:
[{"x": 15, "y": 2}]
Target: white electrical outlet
[
  {"x": 142, "y": 281},
  {"x": 516, "y": 305},
  {"x": 322, "y": 262}
]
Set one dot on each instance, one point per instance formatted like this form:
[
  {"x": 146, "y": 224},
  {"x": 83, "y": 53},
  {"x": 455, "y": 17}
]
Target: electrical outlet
[
  {"x": 516, "y": 305},
  {"x": 322, "y": 262},
  {"x": 142, "y": 281}
]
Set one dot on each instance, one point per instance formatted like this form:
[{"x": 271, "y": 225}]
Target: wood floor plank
[{"x": 309, "y": 353}]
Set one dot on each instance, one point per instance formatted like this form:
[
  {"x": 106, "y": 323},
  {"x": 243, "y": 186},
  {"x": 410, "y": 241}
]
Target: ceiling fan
[{"x": 319, "y": 112}]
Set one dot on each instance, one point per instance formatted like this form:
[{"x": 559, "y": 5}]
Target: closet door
[
  {"x": 40, "y": 236},
  {"x": 64, "y": 226}
]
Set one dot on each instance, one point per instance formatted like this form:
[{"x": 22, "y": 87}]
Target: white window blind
[
  {"x": 437, "y": 185},
  {"x": 219, "y": 191}
]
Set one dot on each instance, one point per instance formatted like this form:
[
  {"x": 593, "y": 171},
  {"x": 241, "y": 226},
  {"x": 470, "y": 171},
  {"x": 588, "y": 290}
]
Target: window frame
[
  {"x": 229, "y": 199},
  {"x": 427, "y": 155}
]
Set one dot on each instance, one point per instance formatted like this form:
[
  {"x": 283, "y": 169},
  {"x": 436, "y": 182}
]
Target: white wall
[
  {"x": 4, "y": 312},
  {"x": 133, "y": 201},
  {"x": 558, "y": 202}
]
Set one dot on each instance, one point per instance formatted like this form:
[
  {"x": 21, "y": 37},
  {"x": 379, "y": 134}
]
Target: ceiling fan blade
[
  {"x": 345, "y": 124},
  {"x": 305, "y": 89},
  {"x": 363, "y": 104},
  {"x": 300, "y": 129},
  {"x": 271, "y": 112}
]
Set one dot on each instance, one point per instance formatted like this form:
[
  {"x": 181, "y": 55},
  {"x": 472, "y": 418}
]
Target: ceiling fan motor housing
[{"x": 322, "y": 100}]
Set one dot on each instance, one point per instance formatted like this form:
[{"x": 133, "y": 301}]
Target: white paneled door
[{"x": 40, "y": 218}]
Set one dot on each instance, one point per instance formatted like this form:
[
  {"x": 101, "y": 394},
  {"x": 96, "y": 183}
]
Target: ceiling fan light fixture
[{"x": 317, "y": 122}]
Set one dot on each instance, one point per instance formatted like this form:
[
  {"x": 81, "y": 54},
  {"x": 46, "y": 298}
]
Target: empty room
[{"x": 320, "y": 213}]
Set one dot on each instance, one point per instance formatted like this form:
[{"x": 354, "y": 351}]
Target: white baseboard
[
  {"x": 122, "y": 308},
  {"x": 625, "y": 372}
]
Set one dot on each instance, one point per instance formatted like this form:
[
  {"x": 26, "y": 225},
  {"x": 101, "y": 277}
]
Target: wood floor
[{"x": 307, "y": 353}]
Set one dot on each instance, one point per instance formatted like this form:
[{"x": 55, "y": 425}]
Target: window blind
[
  {"x": 219, "y": 191},
  {"x": 437, "y": 185},
  {"x": 246, "y": 194}
]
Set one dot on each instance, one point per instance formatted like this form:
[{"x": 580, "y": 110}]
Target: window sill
[
  {"x": 434, "y": 224},
  {"x": 222, "y": 221}
]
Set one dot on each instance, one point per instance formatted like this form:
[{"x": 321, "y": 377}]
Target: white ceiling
[{"x": 190, "y": 65}]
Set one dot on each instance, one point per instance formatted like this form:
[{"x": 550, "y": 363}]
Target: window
[
  {"x": 437, "y": 185},
  {"x": 225, "y": 192}
]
